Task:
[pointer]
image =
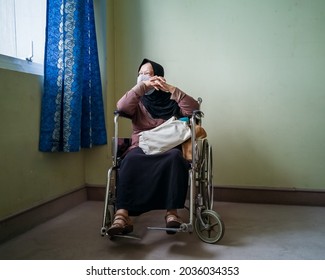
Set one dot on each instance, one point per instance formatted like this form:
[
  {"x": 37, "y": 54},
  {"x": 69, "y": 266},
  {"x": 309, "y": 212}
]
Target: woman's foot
[
  {"x": 172, "y": 221},
  {"x": 122, "y": 224}
]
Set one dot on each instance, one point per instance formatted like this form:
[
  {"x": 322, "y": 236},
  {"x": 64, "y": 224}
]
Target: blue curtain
[{"x": 72, "y": 112}]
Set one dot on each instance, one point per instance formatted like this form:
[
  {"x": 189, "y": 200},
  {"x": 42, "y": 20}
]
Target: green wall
[
  {"x": 27, "y": 176},
  {"x": 258, "y": 65}
]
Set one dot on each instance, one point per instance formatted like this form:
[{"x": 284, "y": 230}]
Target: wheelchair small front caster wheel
[{"x": 212, "y": 229}]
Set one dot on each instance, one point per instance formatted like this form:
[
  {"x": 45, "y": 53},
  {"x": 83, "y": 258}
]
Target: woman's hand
[{"x": 159, "y": 83}]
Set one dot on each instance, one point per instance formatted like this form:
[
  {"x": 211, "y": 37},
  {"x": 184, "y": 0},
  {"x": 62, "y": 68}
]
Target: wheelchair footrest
[
  {"x": 162, "y": 228},
  {"x": 183, "y": 228}
]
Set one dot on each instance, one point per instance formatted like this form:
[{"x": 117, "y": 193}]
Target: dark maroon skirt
[{"x": 152, "y": 182}]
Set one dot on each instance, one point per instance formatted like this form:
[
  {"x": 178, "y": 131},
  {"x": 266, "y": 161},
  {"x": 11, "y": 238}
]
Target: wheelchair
[{"x": 205, "y": 221}]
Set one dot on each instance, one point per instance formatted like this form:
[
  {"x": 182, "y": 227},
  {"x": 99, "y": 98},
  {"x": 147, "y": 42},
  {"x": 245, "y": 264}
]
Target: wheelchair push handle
[{"x": 122, "y": 114}]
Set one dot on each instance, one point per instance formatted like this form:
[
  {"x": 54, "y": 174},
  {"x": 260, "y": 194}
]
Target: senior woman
[{"x": 159, "y": 181}]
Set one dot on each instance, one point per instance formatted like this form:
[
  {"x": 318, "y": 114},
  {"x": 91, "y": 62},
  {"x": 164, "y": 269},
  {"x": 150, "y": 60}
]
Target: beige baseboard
[
  {"x": 29, "y": 218},
  {"x": 249, "y": 195},
  {"x": 21, "y": 222},
  {"x": 267, "y": 195}
]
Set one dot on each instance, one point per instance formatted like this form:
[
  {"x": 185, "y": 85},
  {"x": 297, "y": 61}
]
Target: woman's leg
[
  {"x": 122, "y": 223},
  {"x": 172, "y": 220}
]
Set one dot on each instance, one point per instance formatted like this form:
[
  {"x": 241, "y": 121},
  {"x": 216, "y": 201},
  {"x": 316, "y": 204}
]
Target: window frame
[{"x": 20, "y": 65}]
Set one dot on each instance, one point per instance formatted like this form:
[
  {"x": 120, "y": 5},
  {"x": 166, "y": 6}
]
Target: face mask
[{"x": 142, "y": 78}]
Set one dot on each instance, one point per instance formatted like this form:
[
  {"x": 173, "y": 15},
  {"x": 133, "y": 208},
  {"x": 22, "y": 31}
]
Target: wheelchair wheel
[
  {"x": 206, "y": 185},
  {"x": 212, "y": 229}
]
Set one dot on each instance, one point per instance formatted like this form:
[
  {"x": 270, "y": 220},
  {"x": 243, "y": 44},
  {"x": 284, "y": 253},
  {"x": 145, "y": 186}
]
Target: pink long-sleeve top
[{"x": 141, "y": 118}]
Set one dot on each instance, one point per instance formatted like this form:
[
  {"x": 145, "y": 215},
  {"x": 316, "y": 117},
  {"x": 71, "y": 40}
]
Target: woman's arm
[
  {"x": 186, "y": 102},
  {"x": 130, "y": 100}
]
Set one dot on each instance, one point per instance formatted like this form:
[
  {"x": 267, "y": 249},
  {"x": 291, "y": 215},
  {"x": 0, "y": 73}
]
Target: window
[{"x": 22, "y": 29}]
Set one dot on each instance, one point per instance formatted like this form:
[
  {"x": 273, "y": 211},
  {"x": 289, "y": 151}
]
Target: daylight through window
[{"x": 22, "y": 29}]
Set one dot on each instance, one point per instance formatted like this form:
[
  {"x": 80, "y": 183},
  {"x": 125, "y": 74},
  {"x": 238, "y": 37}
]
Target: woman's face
[{"x": 146, "y": 69}]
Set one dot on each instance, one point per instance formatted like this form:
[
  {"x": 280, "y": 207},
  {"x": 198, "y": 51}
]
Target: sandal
[
  {"x": 172, "y": 221},
  {"x": 121, "y": 225}
]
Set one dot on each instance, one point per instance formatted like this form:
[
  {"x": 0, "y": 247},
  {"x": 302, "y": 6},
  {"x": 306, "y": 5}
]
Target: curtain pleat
[{"x": 72, "y": 112}]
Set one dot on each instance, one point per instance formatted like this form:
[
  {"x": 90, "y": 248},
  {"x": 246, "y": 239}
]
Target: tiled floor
[{"x": 253, "y": 232}]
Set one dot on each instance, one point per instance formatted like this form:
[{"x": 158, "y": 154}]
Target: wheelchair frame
[{"x": 206, "y": 222}]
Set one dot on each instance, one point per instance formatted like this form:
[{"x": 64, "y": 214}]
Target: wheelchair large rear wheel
[
  {"x": 212, "y": 229},
  {"x": 205, "y": 171}
]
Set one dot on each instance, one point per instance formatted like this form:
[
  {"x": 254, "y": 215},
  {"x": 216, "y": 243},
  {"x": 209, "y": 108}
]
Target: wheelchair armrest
[{"x": 122, "y": 114}]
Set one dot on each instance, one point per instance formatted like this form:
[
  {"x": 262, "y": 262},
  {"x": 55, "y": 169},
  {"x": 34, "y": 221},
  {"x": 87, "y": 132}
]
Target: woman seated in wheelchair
[{"x": 159, "y": 181}]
